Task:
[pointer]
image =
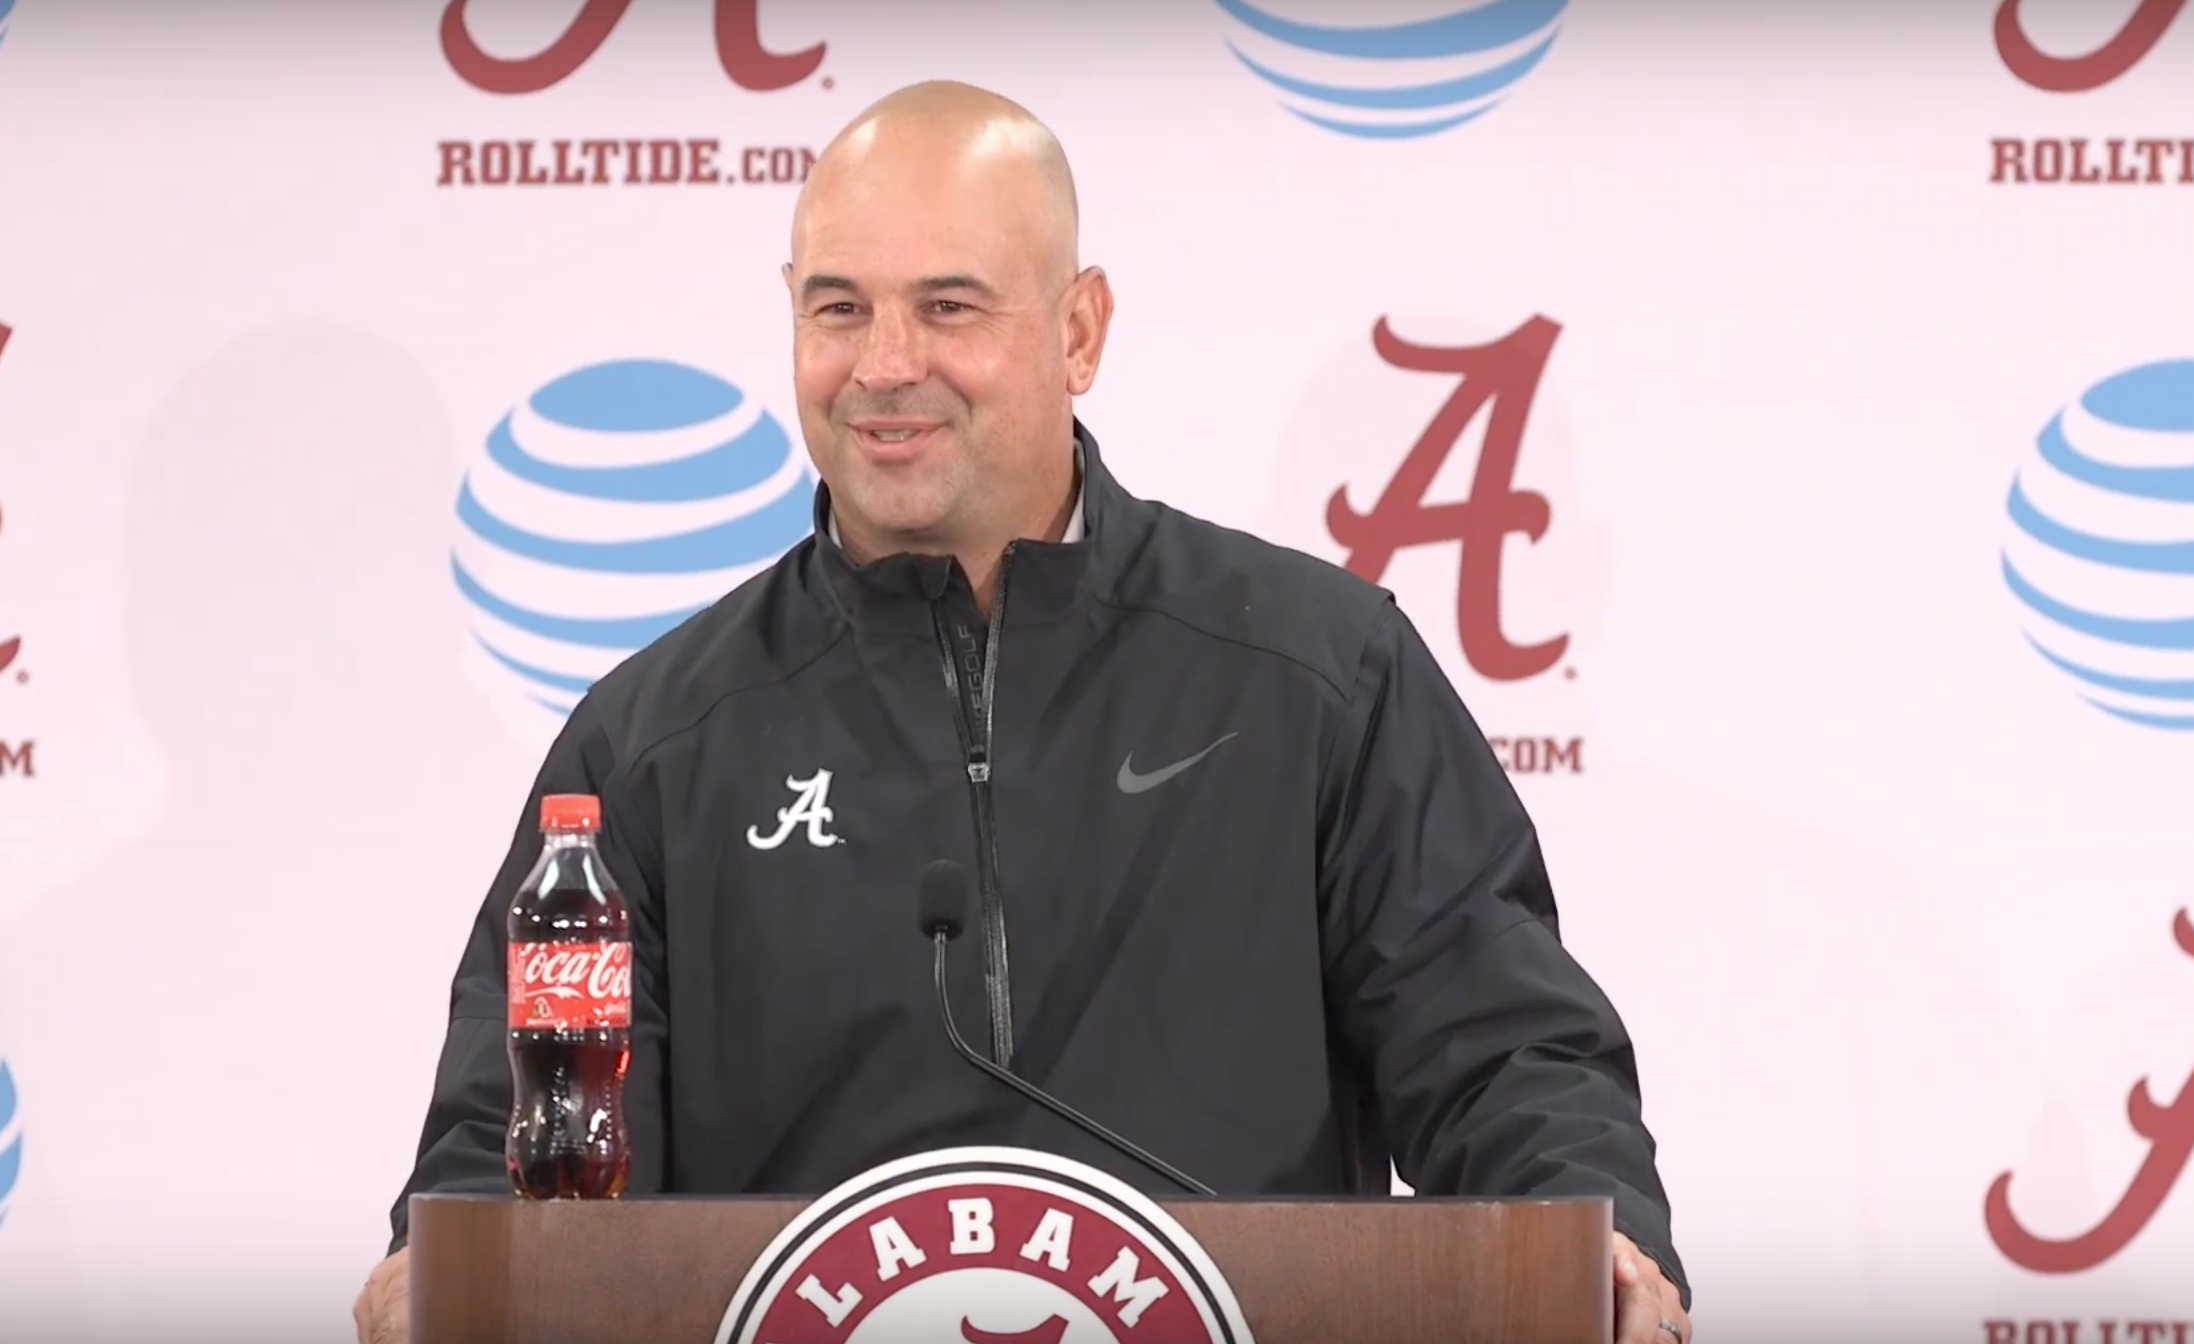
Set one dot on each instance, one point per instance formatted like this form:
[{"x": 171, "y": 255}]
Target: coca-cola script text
[{"x": 570, "y": 986}]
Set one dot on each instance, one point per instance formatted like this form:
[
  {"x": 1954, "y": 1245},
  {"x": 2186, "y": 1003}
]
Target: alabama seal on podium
[{"x": 983, "y": 1246}]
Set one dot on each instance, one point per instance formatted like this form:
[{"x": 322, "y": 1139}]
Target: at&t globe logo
[
  {"x": 1394, "y": 80},
  {"x": 11, "y": 1140},
  {"x": 7, "y": 7},
  {"x": 605, "y": 509},
  {"x": 2101, "y": 551}
]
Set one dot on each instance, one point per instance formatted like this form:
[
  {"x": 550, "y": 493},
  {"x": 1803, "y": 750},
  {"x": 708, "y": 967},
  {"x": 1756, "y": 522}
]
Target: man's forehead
[
  {"x": 885, "y": 263},
  {"x": 885, "y": 253}
]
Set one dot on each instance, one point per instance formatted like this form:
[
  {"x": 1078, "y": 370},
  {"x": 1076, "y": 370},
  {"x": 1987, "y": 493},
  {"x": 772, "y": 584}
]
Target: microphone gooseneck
[{"x": 941, "y": 902}]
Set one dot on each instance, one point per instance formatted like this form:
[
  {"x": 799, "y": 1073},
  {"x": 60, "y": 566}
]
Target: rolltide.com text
[{"x": 703, "y": 161}]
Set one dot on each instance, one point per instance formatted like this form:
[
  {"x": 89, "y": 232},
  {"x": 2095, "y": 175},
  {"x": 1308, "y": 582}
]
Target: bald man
[{"x": 1273, "y": 909}]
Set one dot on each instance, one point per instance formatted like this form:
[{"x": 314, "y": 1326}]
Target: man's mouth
[{"x": 892, "y": 440}]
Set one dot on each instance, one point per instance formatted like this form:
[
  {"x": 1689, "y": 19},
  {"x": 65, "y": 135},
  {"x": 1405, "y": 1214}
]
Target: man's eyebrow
[
  {"x": 817, "y": 284},
  {"x": 933, "y": 284}
]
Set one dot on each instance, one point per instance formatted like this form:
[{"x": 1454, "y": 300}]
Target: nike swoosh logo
[{"x": 1130, "y": 782}]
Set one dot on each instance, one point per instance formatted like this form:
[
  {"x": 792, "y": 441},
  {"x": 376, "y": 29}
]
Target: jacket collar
[
  {"x": 1043, "y": 580},
  {"x": 1075, "y": 521}
]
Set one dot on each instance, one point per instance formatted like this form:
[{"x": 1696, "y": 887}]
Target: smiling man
[
  {"x": 941, "y": 327},
  {"x": 1272, "y": 908}
]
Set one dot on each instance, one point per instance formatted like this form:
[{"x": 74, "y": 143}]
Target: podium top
[{"x": 1370, "y": 1270}]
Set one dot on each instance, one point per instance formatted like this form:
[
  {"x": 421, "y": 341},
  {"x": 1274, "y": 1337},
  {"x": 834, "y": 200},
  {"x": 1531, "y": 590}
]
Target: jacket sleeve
[
  {"x": 468, "y": 1113},
  {"x": 1501, "y": 1069}
]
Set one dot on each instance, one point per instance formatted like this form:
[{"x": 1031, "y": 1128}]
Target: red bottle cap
[{"x": 571, "y": 812}]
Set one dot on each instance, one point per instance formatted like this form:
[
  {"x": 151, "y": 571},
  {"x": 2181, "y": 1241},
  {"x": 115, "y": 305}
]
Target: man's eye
[{"x": 948, "y": 307}]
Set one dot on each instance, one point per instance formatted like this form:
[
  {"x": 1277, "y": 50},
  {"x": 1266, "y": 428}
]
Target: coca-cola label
[{"x": 570, "y": 986}]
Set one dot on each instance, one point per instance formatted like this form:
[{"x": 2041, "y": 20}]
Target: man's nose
[{"x": 891, "y": 354}]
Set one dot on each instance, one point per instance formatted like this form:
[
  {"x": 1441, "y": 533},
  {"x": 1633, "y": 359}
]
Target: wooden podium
[{"x": 492, "y": 1270}]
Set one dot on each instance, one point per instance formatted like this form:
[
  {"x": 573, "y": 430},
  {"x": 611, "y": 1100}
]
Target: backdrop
[{"x": 1804, "y": 394}]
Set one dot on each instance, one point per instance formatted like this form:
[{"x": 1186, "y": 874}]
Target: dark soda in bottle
[{"x": 570, "y": 991}]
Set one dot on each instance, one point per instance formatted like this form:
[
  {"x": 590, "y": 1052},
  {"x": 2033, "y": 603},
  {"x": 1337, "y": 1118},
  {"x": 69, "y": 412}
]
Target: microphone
[
  {"x": 941, "y": 901},
  {"x": 940, "y": 910}
]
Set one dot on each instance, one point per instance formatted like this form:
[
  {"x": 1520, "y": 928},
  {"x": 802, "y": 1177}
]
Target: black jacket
[{"x": 1328, "y": 942}]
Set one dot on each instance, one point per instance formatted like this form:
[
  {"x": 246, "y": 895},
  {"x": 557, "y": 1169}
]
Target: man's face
[{"x": 929, "y": 352}]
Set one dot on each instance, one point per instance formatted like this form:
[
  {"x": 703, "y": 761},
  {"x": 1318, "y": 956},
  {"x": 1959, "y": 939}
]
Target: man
[{"x": 1271, "y": 905}]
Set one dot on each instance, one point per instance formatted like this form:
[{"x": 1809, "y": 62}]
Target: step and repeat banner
[{"x": 1778, "y": 417}]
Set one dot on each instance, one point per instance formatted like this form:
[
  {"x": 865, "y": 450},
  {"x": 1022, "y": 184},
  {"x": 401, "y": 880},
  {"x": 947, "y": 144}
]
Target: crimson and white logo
[{"x": 985, "y": 1246}]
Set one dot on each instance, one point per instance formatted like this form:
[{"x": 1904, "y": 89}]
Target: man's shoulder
[
  {"x": 1238, "y": 587},
  {"x": 760, "y": 633}
]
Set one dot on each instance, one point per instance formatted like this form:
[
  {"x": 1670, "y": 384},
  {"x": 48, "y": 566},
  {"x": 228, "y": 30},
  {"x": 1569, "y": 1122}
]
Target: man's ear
[{"x": 1088, "y": 321}]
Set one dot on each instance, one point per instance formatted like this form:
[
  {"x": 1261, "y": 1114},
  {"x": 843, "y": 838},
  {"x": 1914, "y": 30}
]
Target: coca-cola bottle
[{"x": 570, "y": 989}]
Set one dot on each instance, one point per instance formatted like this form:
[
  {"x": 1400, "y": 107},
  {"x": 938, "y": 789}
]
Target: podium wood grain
[{"x": 487, "y": 1270}]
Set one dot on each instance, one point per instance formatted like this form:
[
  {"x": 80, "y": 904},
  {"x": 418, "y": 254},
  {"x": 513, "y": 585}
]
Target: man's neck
[
  {"x": 984, "y": 564},
  {"x": 981, "y": 560}
]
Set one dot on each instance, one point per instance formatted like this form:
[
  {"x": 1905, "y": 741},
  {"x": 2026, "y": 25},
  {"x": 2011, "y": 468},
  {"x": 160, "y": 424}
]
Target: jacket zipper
[{"x": 975, "y": 719}]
